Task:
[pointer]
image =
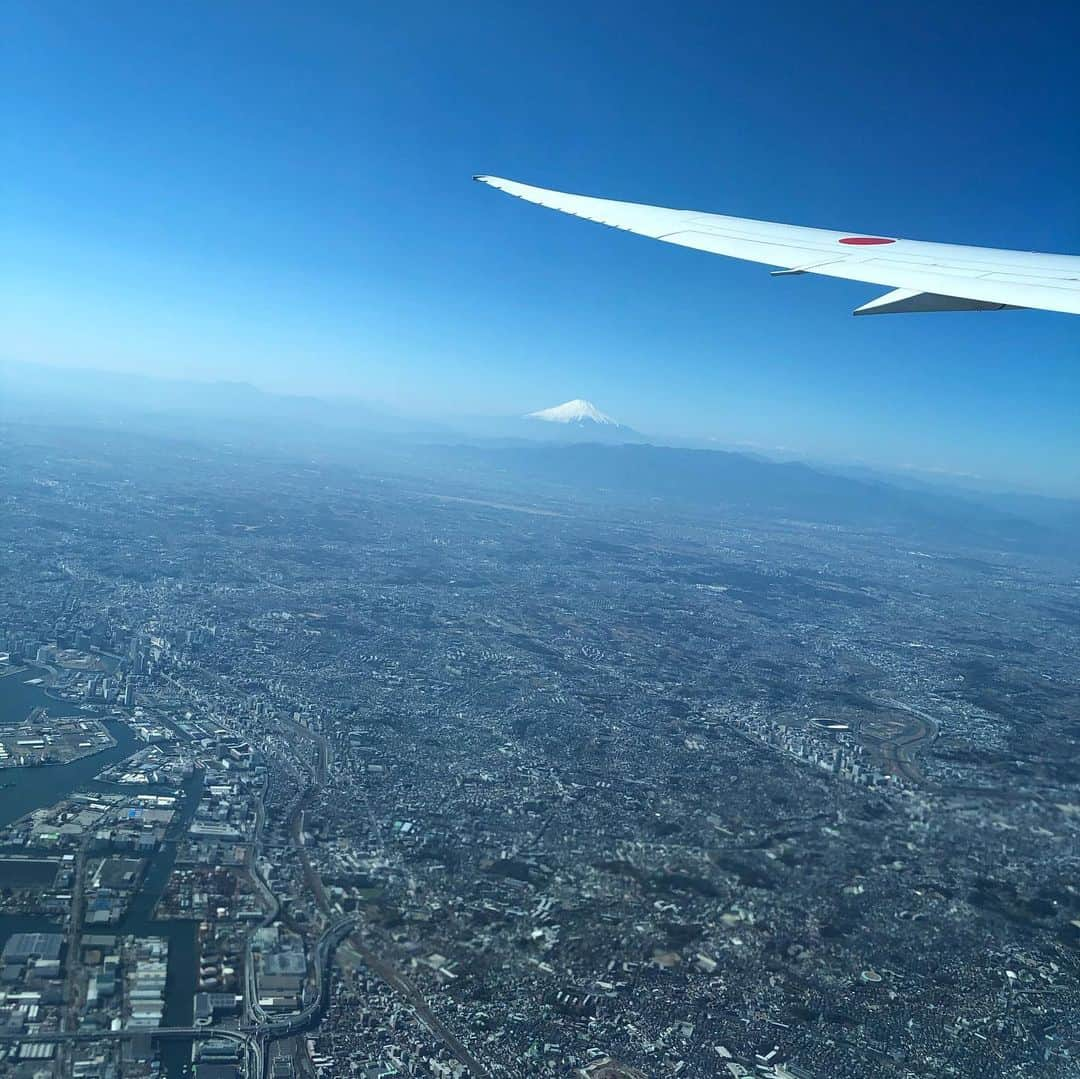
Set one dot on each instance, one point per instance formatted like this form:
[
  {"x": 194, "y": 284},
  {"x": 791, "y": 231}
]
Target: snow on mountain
[{"x": 576, "y": 411}]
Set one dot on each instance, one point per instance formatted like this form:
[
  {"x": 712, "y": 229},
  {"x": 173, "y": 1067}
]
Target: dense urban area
[{"x": 310, "y": 769}]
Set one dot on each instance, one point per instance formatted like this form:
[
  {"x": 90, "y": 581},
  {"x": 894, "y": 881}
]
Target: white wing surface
[{"x": 922, "y": 276}]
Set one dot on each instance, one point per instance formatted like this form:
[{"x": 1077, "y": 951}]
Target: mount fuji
[
  {"x": 576, "y": 411},
  {"x": 578, "y": 421}
]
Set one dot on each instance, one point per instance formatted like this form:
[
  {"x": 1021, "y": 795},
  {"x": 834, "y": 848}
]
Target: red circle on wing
[{"x": 865, "y": 240}]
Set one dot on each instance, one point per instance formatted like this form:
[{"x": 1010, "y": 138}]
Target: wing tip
[{"x": 501, "y": 183}]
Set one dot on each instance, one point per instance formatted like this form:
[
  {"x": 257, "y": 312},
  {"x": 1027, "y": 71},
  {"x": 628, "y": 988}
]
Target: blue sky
[{"x": 281, "y": 194}]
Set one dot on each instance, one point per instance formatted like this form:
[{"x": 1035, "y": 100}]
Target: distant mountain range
[
  {"x": 573, "y": 448},
  {"x": 724, "y": 481},
  {"x": 179, "y": 406},
  {"x": 38, "y": 392}
]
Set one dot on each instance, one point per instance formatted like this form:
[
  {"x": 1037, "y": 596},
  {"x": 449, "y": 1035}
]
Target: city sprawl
[{"x": 459, "y": 777}]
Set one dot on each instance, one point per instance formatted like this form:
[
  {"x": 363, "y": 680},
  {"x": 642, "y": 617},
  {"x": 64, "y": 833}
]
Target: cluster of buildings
[
  {"x": 44, "y": 740},
  {"x": 31, "y": 971},
  {"x": 370, "y": 1031},
  {"x": 146, "y": 966},
  {"x": 120, "y": 986},
  {"x": 99, "y": 820},
  {"x": 110, "y": 885},
  {"x": 279, "y": 969},
  {"x": 821, "y": 743}
]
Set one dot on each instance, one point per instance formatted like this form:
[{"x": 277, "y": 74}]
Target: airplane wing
[{"x": 921, "y": 276}]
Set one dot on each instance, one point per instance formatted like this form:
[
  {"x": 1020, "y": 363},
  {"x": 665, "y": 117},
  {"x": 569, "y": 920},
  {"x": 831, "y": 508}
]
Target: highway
[
  {"x": 130, "y": 1032},
  {"x": 252, "y": 1046}
]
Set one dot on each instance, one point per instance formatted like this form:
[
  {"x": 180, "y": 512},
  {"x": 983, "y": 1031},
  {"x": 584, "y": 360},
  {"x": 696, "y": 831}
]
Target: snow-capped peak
[{"x": 576, "y": 411}]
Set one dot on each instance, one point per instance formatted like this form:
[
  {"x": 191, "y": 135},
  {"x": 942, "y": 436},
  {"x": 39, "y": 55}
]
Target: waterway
[
  {"x": 23, "y": 790},
  {"x": 17, "y": 699},
  {"x": 27, "y": 789}
]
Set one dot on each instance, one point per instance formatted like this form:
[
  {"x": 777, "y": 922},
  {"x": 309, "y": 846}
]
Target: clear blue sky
[{"x": 281, "y": 194}]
